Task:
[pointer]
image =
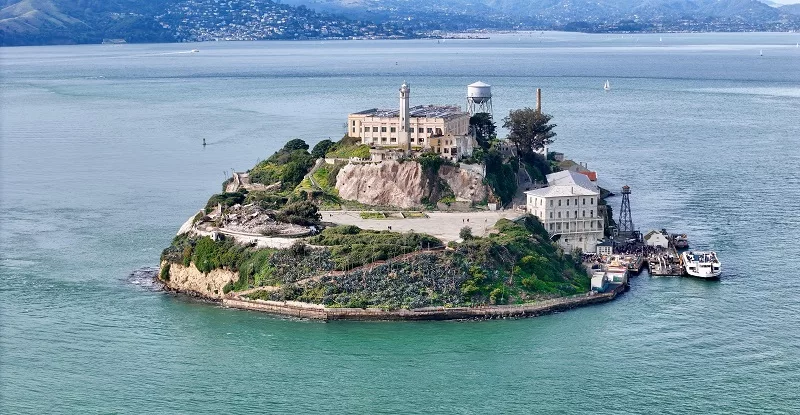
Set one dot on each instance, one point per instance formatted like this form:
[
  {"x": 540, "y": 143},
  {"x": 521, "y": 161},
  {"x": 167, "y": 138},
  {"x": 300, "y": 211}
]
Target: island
[{"x": 416, "y": 213}]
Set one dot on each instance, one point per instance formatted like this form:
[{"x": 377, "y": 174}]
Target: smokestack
[{"x": 539, "y": 100}]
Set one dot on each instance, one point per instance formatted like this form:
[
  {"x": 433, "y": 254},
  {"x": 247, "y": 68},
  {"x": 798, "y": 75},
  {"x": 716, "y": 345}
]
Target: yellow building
[{"x": 443, "y": 129}]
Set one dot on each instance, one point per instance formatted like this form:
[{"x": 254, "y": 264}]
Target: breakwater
[{"x": 320, "y": 312}]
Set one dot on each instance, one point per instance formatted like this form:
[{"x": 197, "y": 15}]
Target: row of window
[
  {"x": 539, "y": 202},
  {"x": 557, "y": 226},
  {"x": 566, "y": 214}
]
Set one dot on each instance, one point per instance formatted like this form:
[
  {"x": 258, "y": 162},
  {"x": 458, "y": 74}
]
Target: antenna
[{"x": 625, "y": 219}]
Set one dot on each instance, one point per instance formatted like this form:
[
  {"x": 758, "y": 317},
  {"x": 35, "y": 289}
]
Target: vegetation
[
  {"x": 288, "y": 165},
  {"x": 351, "y": 246},
  {"x": 500, "y": 174},
  {"x": 373, "y": 215},
  {"x": 322, "y": 148},
  {"x": 484, "y": 128},
  {"x": 529, "y": 130},
  {"x": 348, "y": 151},
  {"x": 465, "y": 233},
  {"x": 299, "y": 213},
  {"x": 225, "y": 199}
]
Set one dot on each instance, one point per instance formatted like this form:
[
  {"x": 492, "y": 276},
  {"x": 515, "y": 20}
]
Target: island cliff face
[
  {"x": 406, "y": 184},
  {"x": 192, "y": 281}
]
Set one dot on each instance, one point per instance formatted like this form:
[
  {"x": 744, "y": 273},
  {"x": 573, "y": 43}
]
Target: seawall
[{"x": 319, "y": 312}]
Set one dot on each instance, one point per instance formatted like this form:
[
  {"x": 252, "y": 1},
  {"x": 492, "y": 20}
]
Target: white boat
[
  {"x": 701, "y": 264},
  {"x": 607, "y": 85},
  {"x": 599, "y": 281},
  {"x": 616, "y": 270},
  {"x": 195, "y": 50}
]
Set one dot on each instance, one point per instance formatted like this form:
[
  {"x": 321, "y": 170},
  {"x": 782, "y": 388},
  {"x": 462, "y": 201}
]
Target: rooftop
[
  {"x": 420, "y": 111},
  {"x": 566, "y": 183}
]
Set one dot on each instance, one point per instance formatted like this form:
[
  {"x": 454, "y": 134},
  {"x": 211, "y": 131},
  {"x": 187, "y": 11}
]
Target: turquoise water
[{"x": 100, "y": 162}]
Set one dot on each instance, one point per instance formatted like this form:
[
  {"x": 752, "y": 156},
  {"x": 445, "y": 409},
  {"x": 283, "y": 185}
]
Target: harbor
[{"x": 625, "y": 253}]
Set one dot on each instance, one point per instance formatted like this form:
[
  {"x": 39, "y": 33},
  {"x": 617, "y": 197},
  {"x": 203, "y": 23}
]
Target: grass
[
  {"x": 346, "y": 152},
  {"x": 373, "y": 215}
]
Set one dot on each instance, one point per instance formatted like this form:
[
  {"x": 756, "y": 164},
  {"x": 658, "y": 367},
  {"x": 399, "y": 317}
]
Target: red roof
[{"x": 592, "y": 175}]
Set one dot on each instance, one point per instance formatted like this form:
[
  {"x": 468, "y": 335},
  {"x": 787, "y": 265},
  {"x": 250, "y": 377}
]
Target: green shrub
[
  {"x": 225, "y": 199},
  {"x": 299, "y": 213},
  {"x": 164, "y": 274}
]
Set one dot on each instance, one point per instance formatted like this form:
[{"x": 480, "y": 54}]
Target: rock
[
  {"x": 404, "y": 185},
  {"x": 190, "y": 280}
]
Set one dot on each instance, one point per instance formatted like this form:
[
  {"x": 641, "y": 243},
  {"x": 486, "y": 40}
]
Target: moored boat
[
  {"x": 617, "y": 270},
  {"x": 704, "y": 265},
  {"x": 680, "y": 241}
]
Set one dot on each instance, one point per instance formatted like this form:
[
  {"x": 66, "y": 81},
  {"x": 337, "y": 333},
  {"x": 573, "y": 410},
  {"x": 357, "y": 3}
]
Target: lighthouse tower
[{"x": 405, "y": 123}]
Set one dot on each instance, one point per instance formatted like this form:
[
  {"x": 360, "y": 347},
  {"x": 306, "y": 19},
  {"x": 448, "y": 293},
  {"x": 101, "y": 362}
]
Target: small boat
[
  {"x": 701, "y": 265},
  {"x": 607, "y": 85},
  {"x": 761, "y": 53},
  {"x": 680, "y": 241},
  {"x": 195, "y": 50},
  {"x": 661, "y": 39}
]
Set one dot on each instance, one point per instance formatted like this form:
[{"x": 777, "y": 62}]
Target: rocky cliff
[
  {"x": 190, "y": 280},
  {"x": 405, "y": 185}
]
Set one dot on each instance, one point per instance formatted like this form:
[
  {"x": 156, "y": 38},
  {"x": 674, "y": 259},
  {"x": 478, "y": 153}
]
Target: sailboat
[
  {"x": 607, "y": 85},
  {"x": 761, "y": 53}
]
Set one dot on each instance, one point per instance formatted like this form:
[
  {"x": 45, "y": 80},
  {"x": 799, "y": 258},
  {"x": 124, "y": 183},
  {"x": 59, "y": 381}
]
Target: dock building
[
  {"x": 443, "y": 129},
  {"x": 568, "y": 209}
]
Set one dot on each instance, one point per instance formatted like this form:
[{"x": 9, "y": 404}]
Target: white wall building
[
  {"x": 443, "y": 129},
  {"x": 568, "y": 207},
  {"x": 657, "y": 239}
]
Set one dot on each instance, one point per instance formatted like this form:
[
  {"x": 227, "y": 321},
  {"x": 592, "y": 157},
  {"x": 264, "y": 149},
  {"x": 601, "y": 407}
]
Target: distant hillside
[
  {"x": 791, "y": 9},
  {"x": 38, "y": 22}
]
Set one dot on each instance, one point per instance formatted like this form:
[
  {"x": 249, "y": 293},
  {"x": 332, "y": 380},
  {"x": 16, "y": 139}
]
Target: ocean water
[{"x": 101, "y": 161}]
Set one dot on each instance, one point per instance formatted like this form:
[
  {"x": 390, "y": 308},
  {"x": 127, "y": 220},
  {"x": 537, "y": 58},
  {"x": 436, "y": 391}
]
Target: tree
[
  {"x": 529, "y": 130},
  {"x": 484, "y": 128},
  {"x": 465, "y": 233},
  {"x": 300, "y": 213},
  {"x": 322, "y": 148},
  {"x": 295, "y": 144}
]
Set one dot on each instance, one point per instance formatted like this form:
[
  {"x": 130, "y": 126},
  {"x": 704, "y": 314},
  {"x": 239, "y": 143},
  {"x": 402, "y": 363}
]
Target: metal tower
[{"x": 625, "y": 223}]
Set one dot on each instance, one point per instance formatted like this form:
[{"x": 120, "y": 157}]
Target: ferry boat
[
  {"x": 702, "y": 265},
  {"x": 599, "y": 281},
  {"x": 617, "y": 270}
]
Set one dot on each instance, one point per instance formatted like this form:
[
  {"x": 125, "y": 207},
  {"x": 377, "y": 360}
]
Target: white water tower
[{"x": 479, "y": 98}]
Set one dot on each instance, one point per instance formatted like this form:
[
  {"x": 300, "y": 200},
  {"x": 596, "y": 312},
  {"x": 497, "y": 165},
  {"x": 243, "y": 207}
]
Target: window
[
  {"x": 420, "y": 130},
  {"x": 393, "y": 129},
  {"x": 551, "y": 215},
  {"x": 576, "y": 214},
  {"x": 551, "y": 202},
  {"x": 559, "y": 215},
  {"x": 374, "y": 129},
  {"x": 583, "y": 214},
  {"x": 447, "y": 150},
  {"x": 354, "y": 130},
  {"x": 558, "y": 226},
  {"x": 567, "y": 225},
  {"x": 591, "y": 224},
  {"x": 584, "y": 200},
  {"x": 592, "y": 200},
  {"x": 580, "y": 239},
  {"x": 576, "y": 201},
  {"x": 453, "y": 151},
  {"x": 430, "y": 130},
  {"x": 559, "y": 202},
  {"x": 354, "y": 123},
  {"x": 566, "y": 241},
  {"x": 383, "y": 139},
  {"x": 421, "y": 140},
  {"x": 383, "y": 129},
  {"x": 393, "y": 139},
  {"x": 591, "y": 213},
  {"x": 551, "y": 226},
  {"x": 567, "y": 202}
]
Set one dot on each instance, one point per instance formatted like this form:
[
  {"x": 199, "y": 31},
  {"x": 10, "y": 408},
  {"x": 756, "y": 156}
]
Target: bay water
[{"x": 101, "y": 160}]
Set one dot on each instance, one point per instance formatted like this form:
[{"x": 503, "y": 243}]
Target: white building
[
  {"x": 443, "y": 129},
  {"x": 657, "y": 239},
  {"x": 568, "y": 207}
]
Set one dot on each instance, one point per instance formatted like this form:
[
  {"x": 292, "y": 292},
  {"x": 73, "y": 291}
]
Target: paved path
[{"x": 443, "y": 225}]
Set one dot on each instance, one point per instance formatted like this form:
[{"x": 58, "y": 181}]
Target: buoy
[{"x": 204, "y": 142}]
